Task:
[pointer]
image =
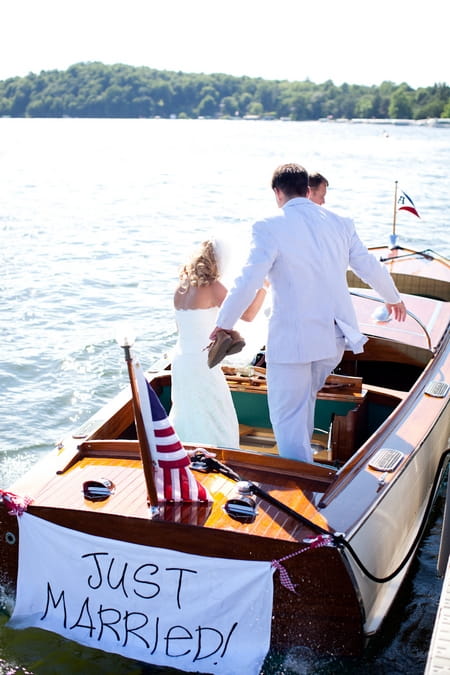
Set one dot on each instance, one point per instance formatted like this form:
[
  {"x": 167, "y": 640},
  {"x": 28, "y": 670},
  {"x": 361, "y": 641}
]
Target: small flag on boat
[
  {"x": 405, "y": 203},
  {"x": 174, "y": 480}
]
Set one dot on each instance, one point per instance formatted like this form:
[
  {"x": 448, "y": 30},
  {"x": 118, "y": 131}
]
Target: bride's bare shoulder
[{"x": 200, "y": 298}]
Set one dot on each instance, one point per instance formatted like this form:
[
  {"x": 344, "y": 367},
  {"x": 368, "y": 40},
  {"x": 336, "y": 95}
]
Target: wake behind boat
[{"x": 283, "y": 553}]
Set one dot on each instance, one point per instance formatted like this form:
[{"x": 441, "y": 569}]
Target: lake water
[{"x": 95, "y": 218}]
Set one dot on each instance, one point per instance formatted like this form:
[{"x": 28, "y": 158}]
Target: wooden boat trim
[
  {"x": 119, "y": 449},
  {"x": 389, "y": 426},
  {"x": 381, "y": 349},
  {"x": 415, "y": 276},
  {"x": 245, "y": 459}
]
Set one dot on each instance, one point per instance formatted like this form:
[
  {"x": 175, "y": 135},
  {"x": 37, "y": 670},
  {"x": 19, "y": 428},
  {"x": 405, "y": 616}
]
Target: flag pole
[
  {"x": 141, "y": 434},
  {"x": 393, "y": 237},
  {"x": 395, "y": 208}
]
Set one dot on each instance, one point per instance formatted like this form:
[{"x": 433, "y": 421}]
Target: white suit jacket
[{"x": 304, "y": 250}]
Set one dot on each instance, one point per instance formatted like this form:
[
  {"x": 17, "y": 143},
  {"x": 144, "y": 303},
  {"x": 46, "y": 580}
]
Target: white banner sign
[{"x": 160, "y": 606}]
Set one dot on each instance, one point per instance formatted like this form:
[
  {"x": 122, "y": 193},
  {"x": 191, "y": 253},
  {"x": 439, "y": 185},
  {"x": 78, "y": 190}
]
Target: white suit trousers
[{"x": 292, "y": 390}]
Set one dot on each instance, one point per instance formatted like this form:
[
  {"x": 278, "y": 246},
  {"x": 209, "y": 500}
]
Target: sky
[{"x": 351, "y": 41}]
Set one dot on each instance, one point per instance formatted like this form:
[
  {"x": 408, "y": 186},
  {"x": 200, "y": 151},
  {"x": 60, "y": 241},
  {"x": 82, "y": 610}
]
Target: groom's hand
[
  {"x": 214, "y": 333},
  {"x": 398, "y": 310}
]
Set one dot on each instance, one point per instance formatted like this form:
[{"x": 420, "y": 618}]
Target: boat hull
[
  {"x": 323, "y": 614},
  {"x": 341, "y": 532}
]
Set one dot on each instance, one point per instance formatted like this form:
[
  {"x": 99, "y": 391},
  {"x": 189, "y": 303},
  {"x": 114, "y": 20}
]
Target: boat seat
[
  {"x": 341, "y": 409},
  {"x": 340, "y": 406},
  {"x": 257, "y": 438}
]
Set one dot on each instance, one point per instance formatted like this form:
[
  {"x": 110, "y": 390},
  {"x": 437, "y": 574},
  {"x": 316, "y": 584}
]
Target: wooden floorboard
[{"x": 130, "y": 496}]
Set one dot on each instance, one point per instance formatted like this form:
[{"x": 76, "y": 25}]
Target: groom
[{"x": 304, "y": 250}]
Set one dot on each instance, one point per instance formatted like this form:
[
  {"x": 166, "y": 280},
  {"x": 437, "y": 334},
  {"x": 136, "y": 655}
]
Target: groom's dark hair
[{"x": 292, "y": 179}]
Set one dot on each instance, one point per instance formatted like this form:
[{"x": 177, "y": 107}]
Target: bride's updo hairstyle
[{"x": 202, "y": 269}]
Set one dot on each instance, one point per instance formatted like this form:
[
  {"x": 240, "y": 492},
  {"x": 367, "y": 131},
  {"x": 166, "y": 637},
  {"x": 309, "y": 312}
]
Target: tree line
[{"x": 98, "y": 90}]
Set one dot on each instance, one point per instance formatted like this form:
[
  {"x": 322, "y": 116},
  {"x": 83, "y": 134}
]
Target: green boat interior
[
  {"x": 356, "y": 399},
  {"x": 349, "y": 408}
]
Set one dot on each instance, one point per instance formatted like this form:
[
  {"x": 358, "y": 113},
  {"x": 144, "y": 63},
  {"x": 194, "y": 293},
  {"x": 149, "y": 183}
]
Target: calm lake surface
[{"x": 95, "y": 218}]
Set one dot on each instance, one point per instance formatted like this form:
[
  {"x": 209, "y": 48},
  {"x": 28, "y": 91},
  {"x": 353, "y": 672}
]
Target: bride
[{"x": 202, "y": 408}]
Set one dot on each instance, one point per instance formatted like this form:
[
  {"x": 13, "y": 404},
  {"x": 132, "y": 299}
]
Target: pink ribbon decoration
[
  {"x": 318, "y": 542},
  {"x": 15, "y": 504}
]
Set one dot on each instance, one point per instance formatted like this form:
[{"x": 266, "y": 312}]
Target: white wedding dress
[{"x": 202, "y": 408}]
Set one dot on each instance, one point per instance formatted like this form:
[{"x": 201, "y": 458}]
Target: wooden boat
[{"x": 344, "y": 528}]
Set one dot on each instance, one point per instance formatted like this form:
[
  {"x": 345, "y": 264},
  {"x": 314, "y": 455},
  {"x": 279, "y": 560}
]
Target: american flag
[{"x": 173, "y": 478}]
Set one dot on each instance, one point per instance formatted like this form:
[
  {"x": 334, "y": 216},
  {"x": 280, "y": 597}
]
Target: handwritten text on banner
[{"x": 155, "y": 605}]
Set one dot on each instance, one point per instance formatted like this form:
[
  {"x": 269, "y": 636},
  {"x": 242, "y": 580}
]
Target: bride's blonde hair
[{"x": 202, "y": 269}]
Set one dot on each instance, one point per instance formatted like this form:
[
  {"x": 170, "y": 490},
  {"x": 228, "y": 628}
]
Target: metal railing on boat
[{"x": 413, "y": 316}]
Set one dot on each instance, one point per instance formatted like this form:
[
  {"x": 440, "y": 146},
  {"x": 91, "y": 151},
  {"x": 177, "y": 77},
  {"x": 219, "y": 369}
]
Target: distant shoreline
[
  {"x": 442, "y": 122},
  {"x": 94, "y": 90}
]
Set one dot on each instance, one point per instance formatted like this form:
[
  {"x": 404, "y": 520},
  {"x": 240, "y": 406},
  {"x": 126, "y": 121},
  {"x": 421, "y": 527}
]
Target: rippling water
[{"x": 95, "y": 218}]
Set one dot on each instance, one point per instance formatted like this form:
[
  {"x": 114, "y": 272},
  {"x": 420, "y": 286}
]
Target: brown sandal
[
  {"x": 225, "y": 342},
  {"x": 237, "y": 344}
]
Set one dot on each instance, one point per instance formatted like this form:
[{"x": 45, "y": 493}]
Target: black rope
[
  {"x": 207, "y": 464},
  {"x": 408, "y": 255},
  {"x": 275, "y": 502},
  {"x": 438, "y": 255},
  {"x": 339, "y": 539},
  {"x": 201, "y": 462},
  {"x": 427, "y": 253}
]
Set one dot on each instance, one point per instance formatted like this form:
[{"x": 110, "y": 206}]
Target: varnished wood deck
[
  {"x": 129, "y": 498},
  {"x": 412, "y": 272}
]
